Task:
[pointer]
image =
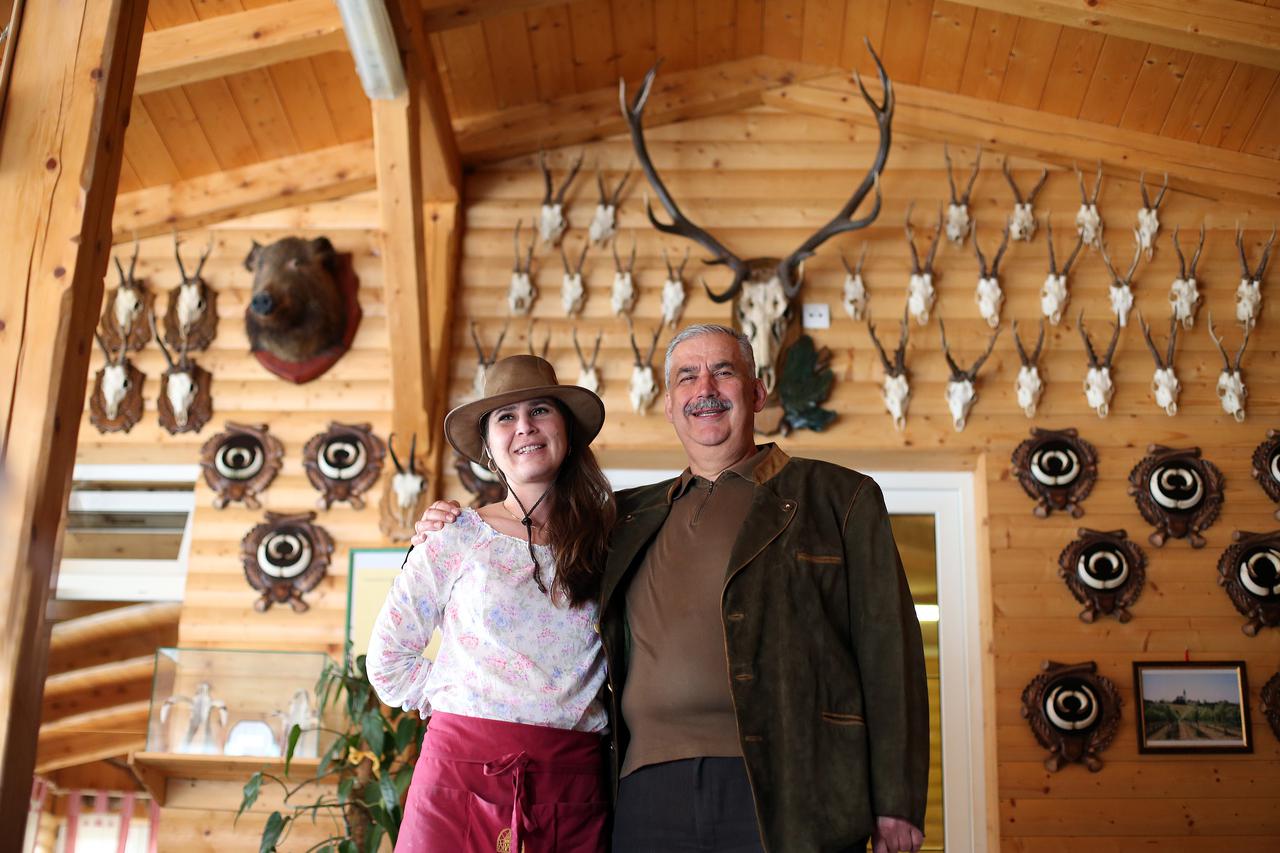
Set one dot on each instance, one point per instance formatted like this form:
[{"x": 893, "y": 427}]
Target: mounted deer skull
[
  {"x": 920, "y": 292},
  {"x": 1053, "y": 293},
  {"x": 764, "y": 288},
  {"x": 1088, "y": 219},
  {"x": 855, "y": 292},
  {"x": 958, "y": 222},
  {"x": 125, "y": 310},
  {"x": 604, "y": 225},
  {"x": 185, "y": 403},
  {"x": 1184, "y": 296},
  {"x": 116, "y": 403},
  {"x": 192, "y": 312},
  {"x": 485, "y": 361},
  {"x": 404, "y": 497},
  {"x": 896, "y": 389},
  {"x": 1098, "y": 387},
  {"x": 1121, "y": 292},
  {"x": 673, "y": 290},
  {"x": 1149, "y": 215},
  {"x": 961, "y": 387},
  {"x": 551, "y": 221},
  {"x": 1164, "y": 382},
  {"x": 1022, "y": 222},
  {"x": 521, "y": 293},
  {"x": 1249, "y": 291},
  {"x": 622, "y": 295},
  {"x": 1231, "y": 390},
  {"x": 572, "y": 291},
  {"x": 588, "y": 373},
  {"x": 644, "y": 381},
  {"x": 988, "y": 295},
  {"x": 1028, "y": 386}
]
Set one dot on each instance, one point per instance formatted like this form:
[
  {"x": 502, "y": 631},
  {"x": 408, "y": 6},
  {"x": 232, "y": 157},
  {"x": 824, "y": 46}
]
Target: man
[{"x": 766, "y": 672}]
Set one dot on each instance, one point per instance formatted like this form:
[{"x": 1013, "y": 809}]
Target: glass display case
[{"x": 217, "y": 702}]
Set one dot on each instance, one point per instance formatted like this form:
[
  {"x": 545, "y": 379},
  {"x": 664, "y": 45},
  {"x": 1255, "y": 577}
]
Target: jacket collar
[{"x": 759, "y": 467}]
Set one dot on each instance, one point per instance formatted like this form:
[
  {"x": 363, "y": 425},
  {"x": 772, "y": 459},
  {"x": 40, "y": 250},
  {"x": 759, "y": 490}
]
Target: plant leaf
[
  {"x": 294, "y": 734},
  {"x": 403, "y": 777},
  {"x": 371, "y": 726},
  {"x": 406, "y": 729},
  {"x": 386, "y": 821},
  {"x": 375, "y": 838},
  {"x": 251, "y": 790},
  {"x": 344, "y": 788},
  {"x": 390, "y": 796},
  {"x": 271, "y": 833},
  {"x": 348, "y": 846}
]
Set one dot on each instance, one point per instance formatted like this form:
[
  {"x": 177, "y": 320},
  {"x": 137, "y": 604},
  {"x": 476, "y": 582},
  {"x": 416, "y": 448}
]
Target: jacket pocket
[
  {"x": 843, "y": 719},
  {"x": 820, "y": 559}
]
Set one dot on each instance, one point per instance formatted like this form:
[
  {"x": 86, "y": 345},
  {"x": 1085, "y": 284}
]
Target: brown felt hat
[{"x": 516, "y": 378}]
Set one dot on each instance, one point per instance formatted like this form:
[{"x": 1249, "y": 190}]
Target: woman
[{"x": 512, "y": 758}]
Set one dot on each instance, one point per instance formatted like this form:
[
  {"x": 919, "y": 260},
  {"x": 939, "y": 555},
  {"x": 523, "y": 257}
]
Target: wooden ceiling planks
[
  {"x": 1073, "y": 61},
  {"x": 1030, "y": 61},
  {"x": 1155, "y": 88},
  {"x": 716, "y": 30},
  {"x": 988, "y": 55},
  {"x": 676, "y": 34},
  {"x": 1113, "y": 78},
  {"x": 905, "y": 39},
  {"x": 1243, "y": 97},
  {"x": 1202, "y": 85},
  {"x": 949, "y": 32}
]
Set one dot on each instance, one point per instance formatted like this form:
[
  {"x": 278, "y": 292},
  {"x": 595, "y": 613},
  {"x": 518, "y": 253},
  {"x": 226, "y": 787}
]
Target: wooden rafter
[
  {"x": 1231, "y": 29},
  {"x": 241, "y": 41},
  {"x": 710, "y": 90},
  {"x": 60, "y": 156},
  {"x": 287, "y": 182},
  {"x": 931, "y": 114},
  {"x": 91, "y": 736},
  {"x": 447, "y": 14}
]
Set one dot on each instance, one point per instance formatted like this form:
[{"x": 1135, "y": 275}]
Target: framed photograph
[{"x": 1192, "y": 707}]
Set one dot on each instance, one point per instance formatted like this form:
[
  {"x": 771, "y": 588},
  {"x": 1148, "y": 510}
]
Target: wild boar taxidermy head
[{"x": 303, "y": 311}]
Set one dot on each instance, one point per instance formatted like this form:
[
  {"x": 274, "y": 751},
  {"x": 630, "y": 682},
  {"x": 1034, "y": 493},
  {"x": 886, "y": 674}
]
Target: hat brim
[{"x": 462, "y": 425}]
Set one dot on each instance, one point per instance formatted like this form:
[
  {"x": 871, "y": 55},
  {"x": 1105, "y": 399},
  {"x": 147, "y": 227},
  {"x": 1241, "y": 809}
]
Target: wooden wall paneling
[
  {"x": 863, "y": 19},
  {"x": 552, "y": 50},
  {"x": 1073, "y": 62},
  {"x": 1157, "y": 84},
  {"x": 1233, "y": 117},
  {"x": 635, "y": 37},
  {"x": 949, "y": 31},
  {"x": 1264, "y": 139},
  {"x": 823, "y": 31},
  {"x": 716, "y": 31},
  {"x": 591, "y": 26},
  {"x": 507, "y": 41},
  {"x": 1113, "y": 79},
  {"x": 675, "y": 26},
  {"x": 1231, "y": 29},
  {"x": 783, "y": 28},
  {"x": 748, "y": 28},
  {"x": 1030, "y": 61},
  {"x": 59, "y": 167},
  {"x": 988, "y": 55},
  {"x": 905, "y": 37},
  {"x": 471, "y": 84}
]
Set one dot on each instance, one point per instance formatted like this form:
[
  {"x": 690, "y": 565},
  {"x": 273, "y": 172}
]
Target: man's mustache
[{"x": 706, "y": 404}]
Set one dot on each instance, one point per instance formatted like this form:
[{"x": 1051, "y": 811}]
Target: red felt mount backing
[{"x": 299, "y": 372}]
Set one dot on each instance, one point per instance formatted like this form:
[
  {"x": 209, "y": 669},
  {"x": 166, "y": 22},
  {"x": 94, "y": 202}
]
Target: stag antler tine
[
  {"x": 653, "y": 347},
  {"x": 911, "y": 239},
  {"x": 515, "y": 240},
  {"x": 1146, "y": 334},
  {"x": 977, "y": 252},
  {"x": 1173, "y": 339},
  {"x": 168, "y": 358},
  {"x": 413, "y": 449},
  {"x": 1084, "y": 194},
  {"x": 1195, "y": 259},
  {"x": 1111, "y": 347},
  {"x": 1106, "y": 259},
  {"x": 573, "y": 173},
  {"x": 133, "y": 261},
  {"x": 564, "y": 258},
  {"x": 1071, "y": 259},
  {"x": 933, "y": 245},
  {"x": 1244, "y": 260},
  {"x": 972, "y": 373},
  {"x": 1088, "y": 344},
  {"x": 900, "y": 352},
  {"x": 1017, "y": 344},
  {"x": 578, "y": 349},
  {"x": 1142, "y": 188},
  {"x": 497, "y": 347},
  {"x": 951, "y": 182},
  {"x": 582, "y": 258},
  {"x": 1013, "y": 185},
  {"x": 119, "y": 269},
  {"x": 1163, "y": 189},
  {"x": 1266, "y": 255},
  {"x": 1244, "y": 342},
  {"x": 956, "y": 372},
  {"x": 1053, "y": 261},
  {"x": 106, "y": 353},
  {"x": 617, "y": 193},
  {"x": 671, "y": 273},
  {"x": 204, "y": 256},
  {"x": 973, "y": 176},
  {"x": 631, "y": 263},
  {"x": 604, "y": 196},
  {"x": 391, "y": 448},
  {"x": 845, "y": 261},
  {"x": 1035, "y": 355},
  {"x": 546, "y": 176},
  {"x": 1097, "y": 185},
  {"x": 635, "y": 348},
  {"x": 1226, "y": 360},
  {"x": 177, "y": 254},
  {"x": 680, "y": 271},
  {"x": 1004, "y": 244},
  {"x": 1035, "y": 191},
  {"x": 475, "y": 339},
  {"x": 884, "y": 358},
  {"x": 1177, "y": 249},
  {"x": 1133, "y": 265}
]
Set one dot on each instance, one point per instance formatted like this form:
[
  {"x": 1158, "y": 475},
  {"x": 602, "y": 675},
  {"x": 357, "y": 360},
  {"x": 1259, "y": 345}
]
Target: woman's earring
[{"x": 489, "y": 461}]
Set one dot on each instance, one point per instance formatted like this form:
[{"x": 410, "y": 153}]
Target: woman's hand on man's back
[{"x": 435, "y": 518}]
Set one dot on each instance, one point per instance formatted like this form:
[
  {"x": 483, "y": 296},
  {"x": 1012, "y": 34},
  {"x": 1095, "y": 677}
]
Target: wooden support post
[
  {"x": 60, "y": 151},
  {"x": 419, "y": 186}
]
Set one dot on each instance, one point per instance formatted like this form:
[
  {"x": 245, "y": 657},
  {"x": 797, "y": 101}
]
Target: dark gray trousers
[{"x": 695, "y": 804}]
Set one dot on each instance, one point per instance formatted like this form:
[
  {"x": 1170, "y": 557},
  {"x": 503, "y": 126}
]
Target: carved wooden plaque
[
  {"x": 343, "y": 463},
  {"x": 240, "y": 463},
  {"x": 1105, "y": 571},
  {"x": 284, "y": 557},
  {"x": 1266, "y": 466},
  {"x": 1271, "y": 703},
  {"x": 1057, "y": 469},
  {"x": 1178, "y": 492},
  {"x": 1249, "y": 569},
  {"x": 1073, "y": 713}
]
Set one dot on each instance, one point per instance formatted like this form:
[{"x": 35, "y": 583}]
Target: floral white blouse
[{"x": 508, "y": 652}]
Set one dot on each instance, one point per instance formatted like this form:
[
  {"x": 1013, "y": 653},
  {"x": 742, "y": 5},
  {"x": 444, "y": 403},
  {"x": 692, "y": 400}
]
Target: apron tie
[{"x": 515, "y": 763}]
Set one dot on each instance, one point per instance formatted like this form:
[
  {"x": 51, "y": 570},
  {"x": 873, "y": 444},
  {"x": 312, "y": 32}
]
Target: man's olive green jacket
[{"x": 826, "y": 664}]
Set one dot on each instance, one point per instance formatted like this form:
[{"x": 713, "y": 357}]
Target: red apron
[{"x": 488, "y": 786}]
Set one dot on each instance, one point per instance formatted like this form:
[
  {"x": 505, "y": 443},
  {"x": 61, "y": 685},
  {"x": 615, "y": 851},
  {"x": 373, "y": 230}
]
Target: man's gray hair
[{"x": 697, "y": 330}]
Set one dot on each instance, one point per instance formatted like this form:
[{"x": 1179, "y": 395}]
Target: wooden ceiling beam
[
  {"x": 96, "y": 627},
  {"x": 273, "y": 184},
  {"x": 1230, "y": 29},
  {"x": 241, "y": 41},
  {"x": 440, "y": 15},
  {"x": 710, "y": 90},
  {"x": 930, "y": 114},
  {"x": 60, "y": 156}
]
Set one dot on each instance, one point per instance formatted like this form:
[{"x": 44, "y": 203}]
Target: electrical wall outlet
[{"x": 815, "y": 315}]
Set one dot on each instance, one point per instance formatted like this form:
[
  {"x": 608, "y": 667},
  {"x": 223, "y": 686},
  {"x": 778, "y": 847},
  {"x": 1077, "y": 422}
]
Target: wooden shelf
[{"x": 155, "y": 769}]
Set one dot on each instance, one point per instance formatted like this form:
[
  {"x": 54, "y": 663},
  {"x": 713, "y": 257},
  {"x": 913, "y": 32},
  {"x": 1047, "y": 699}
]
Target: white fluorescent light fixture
[{"x": 373, "y": 44}]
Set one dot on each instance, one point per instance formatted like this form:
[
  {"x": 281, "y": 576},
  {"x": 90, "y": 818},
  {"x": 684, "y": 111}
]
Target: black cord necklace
[{"x": 527, "y": 521}]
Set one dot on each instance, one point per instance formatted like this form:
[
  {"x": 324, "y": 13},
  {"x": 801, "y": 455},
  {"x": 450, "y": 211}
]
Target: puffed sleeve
[
  {"x": 414, "y": 606},
  {"x": 890, "y": 657}
]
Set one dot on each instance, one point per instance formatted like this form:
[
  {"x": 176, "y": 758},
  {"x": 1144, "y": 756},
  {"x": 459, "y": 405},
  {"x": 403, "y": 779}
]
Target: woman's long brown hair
[{"x": 581, "y": 519}]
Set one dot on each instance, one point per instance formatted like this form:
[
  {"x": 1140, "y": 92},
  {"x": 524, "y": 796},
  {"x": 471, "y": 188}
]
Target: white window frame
[
  {"x": 949, "y": 497},
  {"x": 91, "y": 579}
]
